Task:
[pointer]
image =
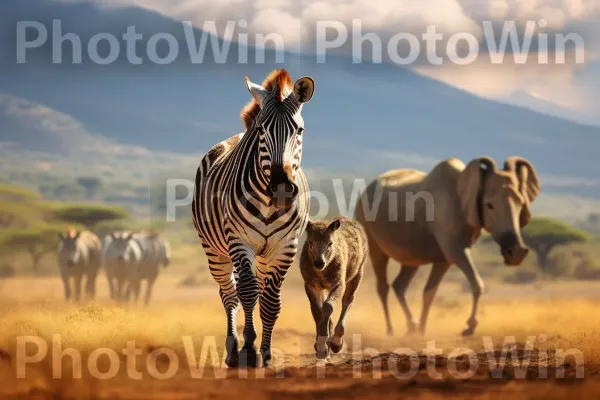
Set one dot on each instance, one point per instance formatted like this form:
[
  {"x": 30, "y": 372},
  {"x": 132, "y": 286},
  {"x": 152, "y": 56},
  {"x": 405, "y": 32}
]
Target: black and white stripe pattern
[
  {"x": 251, "y": 204},
  {"x": 130, "y": 258},
  {"x": 78, "y": 256}
]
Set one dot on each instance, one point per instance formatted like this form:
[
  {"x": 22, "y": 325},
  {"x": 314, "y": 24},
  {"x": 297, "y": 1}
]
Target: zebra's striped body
[
  {"x": 130, "y": 258},
  {"x": 78, "y": 257},
  {"x": 251, "y": 204}
]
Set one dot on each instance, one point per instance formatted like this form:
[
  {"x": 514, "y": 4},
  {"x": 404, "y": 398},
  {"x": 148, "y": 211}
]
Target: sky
[{"x": 574, "y": 87}]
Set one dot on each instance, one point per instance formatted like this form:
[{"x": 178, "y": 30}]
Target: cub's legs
[
  {"x": 325, "y": 325},
  {"x": 337, "y": 342},
  {"x": 315, "y": 306}
]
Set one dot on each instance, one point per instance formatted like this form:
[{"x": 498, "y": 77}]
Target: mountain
[{"x": 363, "y": 119}]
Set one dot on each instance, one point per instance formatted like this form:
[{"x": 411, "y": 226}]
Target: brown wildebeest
[{"x": 422, "y": 218}]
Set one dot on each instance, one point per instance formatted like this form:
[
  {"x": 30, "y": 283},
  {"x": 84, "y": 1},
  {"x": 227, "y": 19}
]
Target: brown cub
[{"x": 331, "y": 263}]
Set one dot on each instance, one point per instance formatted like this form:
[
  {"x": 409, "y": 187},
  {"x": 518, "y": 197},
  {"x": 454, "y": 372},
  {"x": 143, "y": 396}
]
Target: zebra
[
  {"x": 78, "y": 255},
  {"x": 250, "y": 204},
  {"x": 130, "y": 258}
]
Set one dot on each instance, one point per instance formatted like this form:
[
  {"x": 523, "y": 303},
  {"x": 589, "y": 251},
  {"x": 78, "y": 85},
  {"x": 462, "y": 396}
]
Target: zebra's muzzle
[
  {"x": 283, "y": 195},
  {"x": 282, "y": 190}
]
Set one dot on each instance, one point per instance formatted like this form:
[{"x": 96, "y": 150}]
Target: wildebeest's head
[
  {"x": 499, "y": 201},
  {"x": 274, "y": 114},
  {"x": 68, "y": 248},
  {"x": 320, "y": 241}
]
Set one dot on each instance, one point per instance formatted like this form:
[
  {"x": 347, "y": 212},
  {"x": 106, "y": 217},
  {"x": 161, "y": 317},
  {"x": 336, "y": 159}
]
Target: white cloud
[{"x": 294, "y": 22}]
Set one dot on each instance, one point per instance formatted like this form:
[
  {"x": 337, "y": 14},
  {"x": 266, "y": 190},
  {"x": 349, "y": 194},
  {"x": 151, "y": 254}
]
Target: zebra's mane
[{"x": 278, "y": 79}]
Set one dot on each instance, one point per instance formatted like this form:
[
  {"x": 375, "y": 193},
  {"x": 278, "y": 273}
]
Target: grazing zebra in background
[
  {"x": 130, "y": 258},
  {"x": 251, "y": 203},
  {"x": 78, "y": 256}
]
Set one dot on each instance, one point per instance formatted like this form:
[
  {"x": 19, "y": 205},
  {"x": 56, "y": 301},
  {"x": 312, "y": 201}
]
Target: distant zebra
[
  {"x": 79, "y": 256},
  {"x": 130, "y": 258},
  {"x": 251, "y": 203}
]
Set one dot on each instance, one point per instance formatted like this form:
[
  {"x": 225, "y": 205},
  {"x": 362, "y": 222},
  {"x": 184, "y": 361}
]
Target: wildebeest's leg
[
  {"x": 466, "y": 265},
  {"x": 379, "y": 261},
  {"x": 247, "y": 290},
  {"x": 438, "y": 270},
  {"x": 77, "y": 284},
  {"x": 315, "y": 306},
  {"x": 270, "y": 302},
  {"x": 400, "y": 284},
  {"x": 325, "y": 324},
  {"x": 67, "y": 284},
  {"x": 337, "y": 342}
]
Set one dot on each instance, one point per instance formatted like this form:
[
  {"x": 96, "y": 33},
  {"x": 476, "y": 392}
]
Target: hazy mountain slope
[{"x": 362, "y": 120}]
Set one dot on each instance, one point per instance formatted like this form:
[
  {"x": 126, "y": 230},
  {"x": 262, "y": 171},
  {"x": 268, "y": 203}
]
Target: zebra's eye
[
  {"x": 489, "y": 206},
  {"x": 300, "y": 131}
]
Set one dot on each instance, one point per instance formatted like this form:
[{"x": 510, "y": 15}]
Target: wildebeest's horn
[{"x": 489, "y": 163}]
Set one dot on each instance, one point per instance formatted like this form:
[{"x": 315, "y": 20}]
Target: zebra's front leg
[
  {"x": 67, "y": 285},
  {"x": 77, "y": 287},
  {"x": 270, "y": 306},
  {"x": 221, "y": 270},
  {"x": 247, "y": 291}
]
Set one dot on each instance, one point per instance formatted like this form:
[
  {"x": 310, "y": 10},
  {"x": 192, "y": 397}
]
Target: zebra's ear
[
  {"x": 304, "y": 88},
  {"x": 258, "y": 92},
  {"x": 129, "y": 236}
]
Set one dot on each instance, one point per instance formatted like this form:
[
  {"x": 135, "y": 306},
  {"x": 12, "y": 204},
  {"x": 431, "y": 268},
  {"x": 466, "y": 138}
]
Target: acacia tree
[
  {"x": 35, "y": 241},
  {"x": 88, "y": 215},
  {"x": 91, "y": 184},
  {"x": 544, "y": 234}
]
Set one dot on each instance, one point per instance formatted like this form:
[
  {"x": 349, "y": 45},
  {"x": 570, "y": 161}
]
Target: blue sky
[{"x": 570, "y": 90}]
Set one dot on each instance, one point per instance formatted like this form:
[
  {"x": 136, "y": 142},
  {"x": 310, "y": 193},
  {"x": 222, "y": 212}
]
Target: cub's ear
[
  {"x": 304, "y": 88},
  {"x": 335, "y": 225},
  {"x": 309, "y": 226},
  {"x": 129, "y": 236},
  {"x": 76, "y": 235},
  {"x": 61, "y": 236}
]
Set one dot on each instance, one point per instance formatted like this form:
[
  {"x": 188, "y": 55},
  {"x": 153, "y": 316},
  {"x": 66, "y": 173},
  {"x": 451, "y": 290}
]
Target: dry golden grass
[{"x": 564, "y": 314}]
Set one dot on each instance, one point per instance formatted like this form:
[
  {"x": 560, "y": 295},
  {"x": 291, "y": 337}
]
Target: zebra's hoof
[
  {"x": 336, "y": 348},
  {"x": 468, "y": 332},
  {"x": 323, "y": 355},
  {"x": 248, "y": 358},
  {"x": 233, "y": 360},
  {"x": 266, "y": 357}
]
